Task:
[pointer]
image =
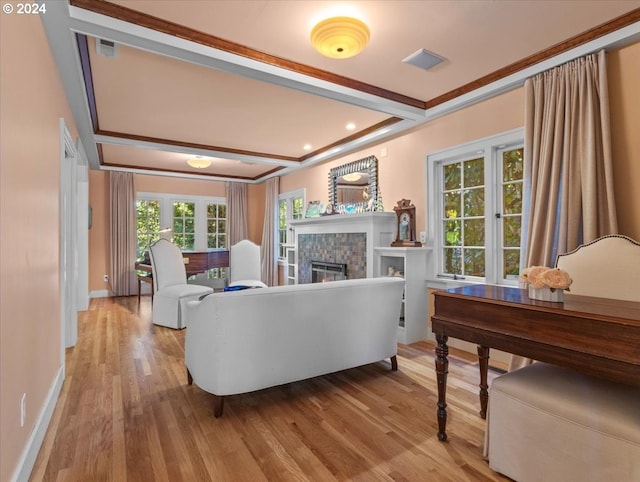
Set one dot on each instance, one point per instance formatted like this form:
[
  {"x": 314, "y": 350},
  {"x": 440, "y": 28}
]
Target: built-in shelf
[{"x": 411, "y": 264}]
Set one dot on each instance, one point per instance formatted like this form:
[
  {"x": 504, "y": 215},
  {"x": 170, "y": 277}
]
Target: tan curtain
[
  {"x": 269, "y": 233},
  {"x": 236, "y": 212},
  {"x": 123, "y": 233},
  {"x": 567, "y": 161},
  {"x": 567, "y": 158}
]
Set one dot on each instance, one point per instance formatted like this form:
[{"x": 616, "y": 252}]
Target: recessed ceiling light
[
  {"x": 350, "y": 126},
  {"x": 307, "y": 147}
]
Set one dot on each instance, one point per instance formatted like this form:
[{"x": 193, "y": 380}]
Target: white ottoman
[{"x": 549, "y": 423}]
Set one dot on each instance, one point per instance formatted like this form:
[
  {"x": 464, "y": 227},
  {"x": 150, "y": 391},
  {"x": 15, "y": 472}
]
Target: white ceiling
[{"x": 239, "y": 81}]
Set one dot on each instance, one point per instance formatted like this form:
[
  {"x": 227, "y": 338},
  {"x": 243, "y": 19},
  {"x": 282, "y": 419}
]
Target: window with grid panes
[
  {"x": 184, "y": 225},
  {"x": 290, "y": 208},
  {"x": 477, "y": 190},
  {"x": 217, "y": 233},
  {"x": 197, "y": 222}
]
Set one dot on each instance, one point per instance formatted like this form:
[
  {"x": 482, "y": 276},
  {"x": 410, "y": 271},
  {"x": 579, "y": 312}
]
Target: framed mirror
[{"x": 355, "y": 185}]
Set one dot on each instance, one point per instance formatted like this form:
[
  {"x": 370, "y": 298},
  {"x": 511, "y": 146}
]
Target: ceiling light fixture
[
  {"x": 350, "y": 126},
  {"x": 199, "y": 162},
  {"x": 340, "y": 37}
]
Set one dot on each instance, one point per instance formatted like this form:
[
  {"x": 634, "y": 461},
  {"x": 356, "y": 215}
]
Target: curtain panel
[
  {"x": 568, "y": 173},
  {"x": 122, "y": 196},
  {"x": 270, "y": 233},
  {"x": 237, "y": 212},
  {"x": 567, "y": 159}
]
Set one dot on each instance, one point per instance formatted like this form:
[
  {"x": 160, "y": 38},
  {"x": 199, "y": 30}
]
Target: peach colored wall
[
  {"x": 99, "y": 253},
  {"x": 624, "y": 97},
  {"x": 33, "y": 101},
  {"x": 402, "y": 171}
]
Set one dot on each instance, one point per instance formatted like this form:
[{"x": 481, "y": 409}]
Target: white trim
[
  {"x": 487, "y": 147},
  {"x": 179, "y": 174},
  {"x": 34, "y": 443},
  {"x": 288, "y": 196},
  {"x": 99, "y": 294}
]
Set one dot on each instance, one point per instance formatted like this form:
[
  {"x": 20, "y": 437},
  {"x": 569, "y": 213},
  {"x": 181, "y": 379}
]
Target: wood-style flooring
[{"x": 126, "y": 413}]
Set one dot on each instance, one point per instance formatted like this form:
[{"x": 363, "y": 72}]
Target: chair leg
[
  {"x": 189, "y": 377},
  {"x": 219, "y": 406},
  {"x": 394, "y": 363}
]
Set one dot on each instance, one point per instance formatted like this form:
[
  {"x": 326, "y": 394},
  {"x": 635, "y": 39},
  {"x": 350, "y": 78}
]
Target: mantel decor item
[
  {"x": 314, "y": 209},
  {"x": 546, "y": 284},
  {"x": 406, "y": 222}
]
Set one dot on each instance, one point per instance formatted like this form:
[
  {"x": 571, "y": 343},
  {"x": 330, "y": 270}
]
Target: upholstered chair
[
  {"x": 245, "y": 267},
  {"x": 552, "y": 423},
  {"x": 170, "y": 285}
]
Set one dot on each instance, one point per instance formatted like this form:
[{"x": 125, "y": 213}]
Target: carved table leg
[
  {"x": 483, "y": 358},
  {"x": 442, "y": 368}
]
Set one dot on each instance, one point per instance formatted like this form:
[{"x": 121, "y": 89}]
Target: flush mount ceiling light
[
  {"x": 199, "y": 162},
  {"x": 340, "y": 37}
]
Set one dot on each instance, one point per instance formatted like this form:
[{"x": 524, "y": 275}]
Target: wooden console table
[{"x": 597, "y": 336}]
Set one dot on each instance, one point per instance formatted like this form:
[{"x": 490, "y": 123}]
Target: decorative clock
[{"x": 406, "y": 225}]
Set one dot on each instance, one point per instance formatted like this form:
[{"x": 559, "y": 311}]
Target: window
[
  {"x": 148, "y": 225},
  {"x": 197, "y": 222},
  {"x": 184, "y": 225},
  {"x": 216, "y": 225},
  {"x": 290, "y": 207},
  {"x": 475, "y": 223}
]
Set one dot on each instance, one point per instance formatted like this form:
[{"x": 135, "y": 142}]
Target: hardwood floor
[{"x": 126, "y": 413}]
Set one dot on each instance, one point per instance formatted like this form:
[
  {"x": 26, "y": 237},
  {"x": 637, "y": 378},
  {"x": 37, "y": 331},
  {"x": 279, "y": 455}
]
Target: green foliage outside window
[
  {"x": 147, "y": 225},
  {"x": 184, "y": 225},
  {"x": 512, "y": 193},
  {"x": 216, "y": 225},
  {"x": 463, "y": 218}
]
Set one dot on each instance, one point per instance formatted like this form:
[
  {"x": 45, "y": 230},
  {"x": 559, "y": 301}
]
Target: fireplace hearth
[{"x": 322, "y": 271}]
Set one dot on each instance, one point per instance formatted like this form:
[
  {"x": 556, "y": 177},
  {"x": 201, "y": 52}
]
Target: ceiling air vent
[
  {"x": 424, "y": 59},
  {"x": 106, "y": 48}
]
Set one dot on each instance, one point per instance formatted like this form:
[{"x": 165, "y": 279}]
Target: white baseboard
[
  {"x": 31, "y": 449},
  {"x": 99, "y": 294}
]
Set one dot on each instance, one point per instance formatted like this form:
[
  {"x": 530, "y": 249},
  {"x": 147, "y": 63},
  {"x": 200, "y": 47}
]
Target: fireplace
[{"x": 322, "y": 271}]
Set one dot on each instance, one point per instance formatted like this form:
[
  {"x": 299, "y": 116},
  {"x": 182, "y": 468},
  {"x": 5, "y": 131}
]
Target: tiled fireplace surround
[
  {"x": 347, "y": 248},
  {"x": 346, "y": 238}
]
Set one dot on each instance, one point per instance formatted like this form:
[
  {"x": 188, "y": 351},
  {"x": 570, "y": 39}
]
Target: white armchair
[
  {"x": 245, "y": 267},
  {"x": 551, "y": 423},
  {"x": 170, "y": 285}
]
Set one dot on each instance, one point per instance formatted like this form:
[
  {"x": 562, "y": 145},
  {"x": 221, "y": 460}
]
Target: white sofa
[{"x": 239, "y": 342}]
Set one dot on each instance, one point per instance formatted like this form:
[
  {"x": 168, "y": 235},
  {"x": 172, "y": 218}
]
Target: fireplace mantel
[{"x": 377, "y": 228}]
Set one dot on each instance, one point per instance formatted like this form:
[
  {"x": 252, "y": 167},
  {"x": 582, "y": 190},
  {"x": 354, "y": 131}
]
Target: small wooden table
[{"x": 597, "y": 336}]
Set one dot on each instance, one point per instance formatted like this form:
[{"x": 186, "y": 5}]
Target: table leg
[
  {"x": 139, "y": 289},
  {"x": 483, "y": 358},
  {"x": 442, "y": 368}
]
